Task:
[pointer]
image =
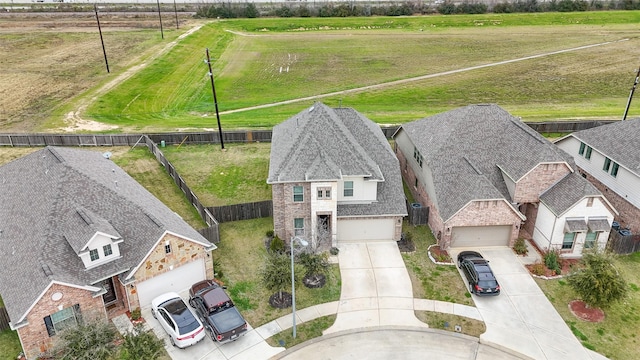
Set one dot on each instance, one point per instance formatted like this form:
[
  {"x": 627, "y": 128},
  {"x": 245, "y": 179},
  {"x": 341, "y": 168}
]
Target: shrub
[
  {"x": 136, "y": 314},
  {"x": 538, "y": 269},
  {"x": 90, "y": 341},
  {"x": 270, "y": 233},
  {"x": 598, "y": 283},
  {"x": 276, "y": 245},
  {"x": 334, "y": 251},
  {"x": 520, "y": 247},
  {"x": 141, "y": 345},
  {"x": 551, "y": 260},
  {"x": 314, "y": 264}
]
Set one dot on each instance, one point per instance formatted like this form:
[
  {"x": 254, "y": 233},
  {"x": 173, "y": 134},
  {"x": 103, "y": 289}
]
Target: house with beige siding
[
  {"x": 609, "y": 157},
  {"x": 81, "y": 239},
  {"x": 488, "y": 179},
  {"x": 334, "y": 179}
]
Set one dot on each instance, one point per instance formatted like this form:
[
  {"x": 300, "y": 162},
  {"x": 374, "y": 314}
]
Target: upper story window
[
  {"x": 348, "y": 188},
  {"x": 167, "y": 248},
  {"x": 324, "y": 193},
  {"x": 417, "y": 156},
  {"x": 611, "y": 165},
  {"x": 585, "y": 150},
  {"x": 107, "y": 250},
  {"x": 298, "y": 194},
  {"x": 93, "y": 254}
]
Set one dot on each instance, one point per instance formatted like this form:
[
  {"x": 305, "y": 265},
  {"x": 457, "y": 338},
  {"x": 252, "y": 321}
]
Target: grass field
[{"x": 322, "y": 55}]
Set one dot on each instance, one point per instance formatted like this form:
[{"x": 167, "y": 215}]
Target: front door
[
  {"x": 110, "y": 296},
  {"x": 324, "y": 230}
]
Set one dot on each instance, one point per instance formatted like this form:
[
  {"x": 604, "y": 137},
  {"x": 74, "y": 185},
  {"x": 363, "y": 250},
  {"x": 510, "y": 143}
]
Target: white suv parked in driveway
[{"x": 183, "y": 328}]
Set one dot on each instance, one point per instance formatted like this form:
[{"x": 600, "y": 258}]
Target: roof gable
[{"x": 566, "y": 193}]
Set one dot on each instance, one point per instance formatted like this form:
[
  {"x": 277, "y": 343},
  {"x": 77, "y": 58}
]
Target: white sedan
[{"x": 177, "y": 320}]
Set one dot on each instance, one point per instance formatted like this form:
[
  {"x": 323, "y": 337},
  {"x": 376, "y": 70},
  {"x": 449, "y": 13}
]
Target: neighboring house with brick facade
[
  {"x": 488, "y": 179},
  {"x": 334, "y": 178},
  {"x": 80, "y": 239},
  {"x": 609, "y": 157}
]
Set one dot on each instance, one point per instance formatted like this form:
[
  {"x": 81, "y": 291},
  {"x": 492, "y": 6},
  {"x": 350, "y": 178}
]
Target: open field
[{"x": 264, "y": 61}]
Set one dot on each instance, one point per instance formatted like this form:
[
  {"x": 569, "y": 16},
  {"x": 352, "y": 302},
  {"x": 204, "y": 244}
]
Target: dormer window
[
  {"x": 93, "y": 254},
  {"x": 107, "y": 250}
]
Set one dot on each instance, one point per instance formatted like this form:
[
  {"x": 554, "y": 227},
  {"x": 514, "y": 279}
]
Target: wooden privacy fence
[
  {"x": 244, "y": 211},
  {"x": 621, "y": 244},
  {"x": 235, "y": 136},
  {"x": 4, "y": 319},
  {"x": 211, "y": 233},
  {"x": 418, "y": 214}
]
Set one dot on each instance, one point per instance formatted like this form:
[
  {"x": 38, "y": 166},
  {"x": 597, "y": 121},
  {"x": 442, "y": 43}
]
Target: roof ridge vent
[
  {"x": 84, "y": 216},
  {"x": 56, "y": 155},
  {"x": 472, "y": 165},
  {"x": 154, "y": 219}
]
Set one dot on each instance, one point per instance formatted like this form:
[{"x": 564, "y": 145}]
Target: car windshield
[{"x": 182, "y": 316}]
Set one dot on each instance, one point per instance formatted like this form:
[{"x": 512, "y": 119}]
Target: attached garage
[
  {"x": 471, "y": 236},
  {"x": 365, "y": 229},
  {"x": 178, "y": 279}
]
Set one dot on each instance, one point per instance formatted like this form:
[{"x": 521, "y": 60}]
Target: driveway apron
[{"x": 376, "y": 288}]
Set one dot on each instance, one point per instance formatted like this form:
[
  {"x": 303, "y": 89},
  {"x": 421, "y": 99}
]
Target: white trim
[
  {"x": 85, "y": 287},
  {"x": 93, "y": 237}
]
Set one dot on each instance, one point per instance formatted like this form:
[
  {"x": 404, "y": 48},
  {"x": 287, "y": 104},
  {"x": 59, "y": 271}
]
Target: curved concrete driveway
[{"x": 394, "y": 343}]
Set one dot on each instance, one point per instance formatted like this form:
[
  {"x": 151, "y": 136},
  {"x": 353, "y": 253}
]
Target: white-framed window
[
  {"x": 324, "y": 193},
  {"x": 348, "y": 188},
  {"x": 93, "y": 254},
  {"x": 298, "y": 194},
  {"x": 63, "y": 319},
  {"x": 167, "y": 248},
  {"x": 569, "y": 239},
  {"x": 298, "y": 226},
  {"x": 585, "y": 150},
  {"x": 417, "y": 156},
  {"x": 107, "y": 250},
  {"x": 614, "y": 169},
  {"x": 590, "y": 240}
]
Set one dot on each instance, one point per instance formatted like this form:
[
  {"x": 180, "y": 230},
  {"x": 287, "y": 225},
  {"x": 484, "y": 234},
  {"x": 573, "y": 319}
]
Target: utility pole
[
  {"x": 160, "y": 17},
  {"x": 95, "y": 8},
  {"x": 175, "y": 10},
  {"x": 633, "y": 89},
  {"x": 215, "y": 99}
]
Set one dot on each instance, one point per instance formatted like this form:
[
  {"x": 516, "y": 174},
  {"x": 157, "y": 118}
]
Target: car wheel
[
  {"x": 191, "y": 303},
  {"x": 173, "y": 343},
  {"x": 154, "y": 314},
  {"x": 210, "y": 333},
  {"x": 470, "y": 288}
]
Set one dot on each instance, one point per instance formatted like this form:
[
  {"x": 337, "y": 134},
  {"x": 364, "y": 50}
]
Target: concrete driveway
[
  {"x": 250, "y": 347},
  {"x": 521, "y": 318}
]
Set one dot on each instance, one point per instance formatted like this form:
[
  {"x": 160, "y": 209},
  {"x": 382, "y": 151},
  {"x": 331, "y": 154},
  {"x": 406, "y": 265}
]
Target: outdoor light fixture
[{"x": 302, "y": 243}]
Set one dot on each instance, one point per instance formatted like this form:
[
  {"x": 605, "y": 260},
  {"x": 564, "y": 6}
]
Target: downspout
[{"x": 552, "y": 231}]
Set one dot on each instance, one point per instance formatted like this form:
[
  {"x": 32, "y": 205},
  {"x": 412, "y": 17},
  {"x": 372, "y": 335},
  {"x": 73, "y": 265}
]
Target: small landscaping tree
[
  {"x": 141, "y": 345},
  {"x": 315, "y": 266},
  {"x": 276, "y": 276},
  {"x": 598, "y": 282}
]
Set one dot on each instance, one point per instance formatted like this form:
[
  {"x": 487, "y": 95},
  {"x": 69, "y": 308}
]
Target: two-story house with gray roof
[
  {"x": 80, "y": 238},
  {"x": 488, "y": 178},
  {"x": 334, "y": 178},
  {"x": 609, "y": 157}
]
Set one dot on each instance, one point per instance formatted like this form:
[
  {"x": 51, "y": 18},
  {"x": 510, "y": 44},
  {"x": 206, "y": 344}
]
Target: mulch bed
[
  {"x": 540, "y": 269},
  {"x": 280, "y": 302},
  {"x": 406, "y": 245},
  {"x": 440, "y": 255},
  {"x": 314, "y": 281},
  {"x": 580, "y": 310}
]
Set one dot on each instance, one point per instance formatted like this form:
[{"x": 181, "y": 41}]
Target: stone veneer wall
[
  {"x": 182, "y": 252},
  {"x": 628, "y": 215},
  {"x": 529, "y": 188},
  {"x": 34, "y": 337}
]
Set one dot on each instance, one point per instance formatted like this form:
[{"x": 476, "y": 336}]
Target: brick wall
[
  {"x": 285, "y": 210},
  {"x": 529, "y": 188},
  {"x": 34, "y": 337},
  {"x": 158, "y": 262},
  {"x": 483, "y": 213},
  {"x": 628, "y": 215}
]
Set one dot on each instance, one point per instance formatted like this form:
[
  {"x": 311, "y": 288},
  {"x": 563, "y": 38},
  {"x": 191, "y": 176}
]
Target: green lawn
[
  {"x": 290, "y": 58},
  {"x": 617, "y": 336},
  {"x": 9, "y": 345}
]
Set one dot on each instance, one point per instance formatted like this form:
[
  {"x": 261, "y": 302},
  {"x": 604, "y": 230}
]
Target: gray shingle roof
[
  {"x": 466, "y": 147},
  {"x": 321, "y": 143},
  {"x": 567, "y": 192},
  {"x": 620, "y": 141},
  {"x": 41, "y": 194}
]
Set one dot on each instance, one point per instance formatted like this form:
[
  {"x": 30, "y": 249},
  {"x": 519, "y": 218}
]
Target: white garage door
[
  {"x": 178, "y": 279},
  {"x": 470, "y": 236},
  {"x": 367, "y": 229}
]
